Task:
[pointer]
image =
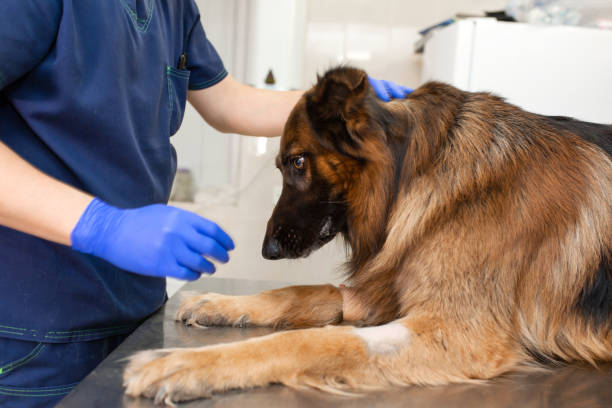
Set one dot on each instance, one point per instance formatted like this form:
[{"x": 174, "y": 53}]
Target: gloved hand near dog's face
[
  {"x": 386, "y": 90},
  {"x": 164, "y": 241},
  {"x": 155, "y": 240}
]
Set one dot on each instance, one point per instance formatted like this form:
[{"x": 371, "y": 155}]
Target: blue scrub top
[{"x": 90, "y": 94}]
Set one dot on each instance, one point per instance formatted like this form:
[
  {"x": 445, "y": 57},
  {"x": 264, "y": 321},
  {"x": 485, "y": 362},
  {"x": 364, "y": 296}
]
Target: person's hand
[
  {"x": 156, "y": 240},
  {"x": 386, "y": 90}
]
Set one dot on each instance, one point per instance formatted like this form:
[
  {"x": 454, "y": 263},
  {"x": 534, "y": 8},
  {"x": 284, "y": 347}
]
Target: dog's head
[{"x": 324, "y": 150}]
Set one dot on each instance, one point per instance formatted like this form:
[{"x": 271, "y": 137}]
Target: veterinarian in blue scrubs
[{"x": 91, "y": 92}]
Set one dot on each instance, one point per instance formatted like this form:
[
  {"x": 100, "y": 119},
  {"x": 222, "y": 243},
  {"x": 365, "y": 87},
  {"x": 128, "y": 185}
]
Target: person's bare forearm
[
  {"x": 34, "y": 203},
  {"x": 232, "y": 107}
]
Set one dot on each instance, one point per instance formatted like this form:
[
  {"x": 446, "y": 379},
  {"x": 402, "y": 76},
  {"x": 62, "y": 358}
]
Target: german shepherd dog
[{"x": 480, "y": 238}]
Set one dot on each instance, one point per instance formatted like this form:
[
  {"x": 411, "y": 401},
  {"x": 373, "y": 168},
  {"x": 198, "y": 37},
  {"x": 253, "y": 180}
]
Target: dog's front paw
[
  {"x": 212, "y": 309},
  {"x": 169, "y": 375}
]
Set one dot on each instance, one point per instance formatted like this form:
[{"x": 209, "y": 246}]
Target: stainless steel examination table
[{"x": 568, "y": 387}]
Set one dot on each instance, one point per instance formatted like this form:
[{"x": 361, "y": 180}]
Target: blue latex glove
[
  {"x": 156, "y": 240},
  {"x": 386, "y": 90}
]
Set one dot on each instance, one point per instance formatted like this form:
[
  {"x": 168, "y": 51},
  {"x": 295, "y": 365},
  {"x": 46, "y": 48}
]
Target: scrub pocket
[
  {"x": 178, "y": 82},
  {"x": 18, "y": 360},
  {"x": 41, "y": 374},
  {"x": 17, "y": 353}
]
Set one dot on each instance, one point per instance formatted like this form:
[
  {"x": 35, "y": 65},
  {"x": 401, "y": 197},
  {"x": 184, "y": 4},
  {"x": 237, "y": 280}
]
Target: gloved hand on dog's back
[
  {"x": 155, "y": 240},
  {"x": 386, "y": 90}
]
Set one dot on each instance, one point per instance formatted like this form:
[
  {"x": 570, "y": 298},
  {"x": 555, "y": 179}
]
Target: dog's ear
[
  {"x": 336, "y": 93},
  {"x": 336, "y": 106}
]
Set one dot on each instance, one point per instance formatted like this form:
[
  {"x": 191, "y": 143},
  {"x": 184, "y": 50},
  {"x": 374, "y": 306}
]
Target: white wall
[
  {"x": 251, "y": 36},
  {"x": 200, "y": 148},
  {"x": 276, "y": 41},
  {"x": 298, "y": 39},
  {"x": 376, "y": 35}
]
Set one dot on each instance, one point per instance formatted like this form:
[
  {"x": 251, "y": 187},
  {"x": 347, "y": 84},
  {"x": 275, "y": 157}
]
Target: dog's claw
[
  {"x": 242, "y": 322},
  {"x": 161, "y": 395}
]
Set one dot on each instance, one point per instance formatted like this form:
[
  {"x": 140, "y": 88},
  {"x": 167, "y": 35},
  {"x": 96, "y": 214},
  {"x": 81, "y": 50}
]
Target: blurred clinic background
[{"x": 550, "y": 57}]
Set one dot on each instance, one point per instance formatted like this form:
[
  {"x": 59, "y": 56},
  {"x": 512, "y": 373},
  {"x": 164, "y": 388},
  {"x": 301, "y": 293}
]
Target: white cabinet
[{"x": 552, "y": 70}]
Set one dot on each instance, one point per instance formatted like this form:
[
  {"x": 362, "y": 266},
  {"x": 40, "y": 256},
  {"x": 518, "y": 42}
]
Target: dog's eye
[{"x": 298, "y": 162}]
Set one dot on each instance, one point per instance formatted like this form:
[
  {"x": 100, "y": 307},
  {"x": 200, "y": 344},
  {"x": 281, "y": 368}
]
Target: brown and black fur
[{"x": 480, "y": 237}]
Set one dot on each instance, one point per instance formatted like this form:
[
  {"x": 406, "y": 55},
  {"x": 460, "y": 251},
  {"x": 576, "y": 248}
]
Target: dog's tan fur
[
  {"x": 319, "y": 305},
  {"x": 477, "y": 247}
]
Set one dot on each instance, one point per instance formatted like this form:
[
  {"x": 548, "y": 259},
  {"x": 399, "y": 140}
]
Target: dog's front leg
[
  {"x": 417, "y": 350},
  {"x": 297, "y": 357},
  {"x": 290, "y": 307}
]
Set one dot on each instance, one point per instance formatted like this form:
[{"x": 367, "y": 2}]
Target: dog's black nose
[{"x": 271, "y": 249}]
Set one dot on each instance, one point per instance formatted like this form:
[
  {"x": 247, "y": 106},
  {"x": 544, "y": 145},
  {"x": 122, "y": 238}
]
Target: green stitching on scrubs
[
  {"x": 2, "y": 79},
  {"x": 133, "y": 14},
  {"x": 173, "y": 72},
  {"x": 18, "y": 331},
  {"x": 176, "y": 73},
  {"x": 93, "y": 330},
  {"x": 170, "y": 94},
  {"x": 24, "y": 360},
  {"x": 42, "y": 392},
  {"x": 34, "y": 391},
  {"x": 201, "y": 85},
  {"x": 17, "y": 394},
  {"x": 106, "y": 332},
  {"x": 64, "y": 336},
  {"x": 179, "y": 76},
  {"x": 15, "y": 328},
  {"x": 42, "y": 389},
  {"x": 10, "y": 332},
  {"x": 138, "y": 21},
  {"x": 110, "y": 333}
]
